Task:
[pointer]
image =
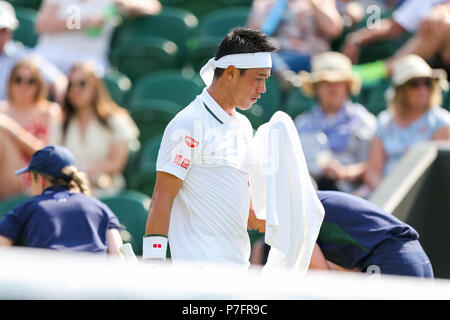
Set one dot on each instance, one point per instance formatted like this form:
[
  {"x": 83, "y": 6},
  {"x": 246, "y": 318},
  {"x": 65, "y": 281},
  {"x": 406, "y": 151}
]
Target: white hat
[
  {"x": 412, "y": 66},
  {"x": 329, "y": 66},
  {"x": 8, "y": 18}
]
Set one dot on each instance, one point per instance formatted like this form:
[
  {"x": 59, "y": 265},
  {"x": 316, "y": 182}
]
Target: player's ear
[{"x": 231, "y": 72}]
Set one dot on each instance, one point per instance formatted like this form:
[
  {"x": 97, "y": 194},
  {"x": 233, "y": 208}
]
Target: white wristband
[{"x": 154, "y": 247}]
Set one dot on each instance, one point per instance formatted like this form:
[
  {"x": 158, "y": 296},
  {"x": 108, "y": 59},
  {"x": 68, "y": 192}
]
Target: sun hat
[
  {"x": 8, "y": 18},
  {"x": 412, "y": 66},
  {"x": 332, "y": 67},
  {"x": 50, "y": 160}
]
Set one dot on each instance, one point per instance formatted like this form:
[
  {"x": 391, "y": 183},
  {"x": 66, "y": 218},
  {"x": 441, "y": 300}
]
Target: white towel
[{"x": 282, "y": 193}]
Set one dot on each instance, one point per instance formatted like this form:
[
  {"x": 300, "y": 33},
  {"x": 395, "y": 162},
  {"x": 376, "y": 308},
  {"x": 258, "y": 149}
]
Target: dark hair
[{"x": 243, "y": 40}]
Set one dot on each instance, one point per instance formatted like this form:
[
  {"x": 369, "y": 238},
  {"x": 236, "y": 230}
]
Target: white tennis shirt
[{"x": 207, "y": 149}]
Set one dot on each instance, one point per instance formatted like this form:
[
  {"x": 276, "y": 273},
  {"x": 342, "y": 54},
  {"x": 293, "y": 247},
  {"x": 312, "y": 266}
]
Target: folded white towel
[{"x": 282, "y": 193}]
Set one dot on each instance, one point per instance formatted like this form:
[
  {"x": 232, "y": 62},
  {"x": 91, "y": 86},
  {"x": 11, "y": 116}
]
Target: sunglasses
[
  {"x": 80, "y": 84},
  {"x": 415, "y": 83},
  {"x": 28, "y": 81}
]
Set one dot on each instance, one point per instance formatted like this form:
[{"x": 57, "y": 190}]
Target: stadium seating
[
  {"x": 137, "y": 57},
  {"x": 25, "y": 32},
  {"x": 143, "y": 177},
  {"x": 118, "y": 86},
  {"x": 296, "y": 102},
  {"x": 151, "y": 117},
  {"x": 174, "y": 24},
  {"x": 8, "y": 204},
  {"x": 169, "y": 85},
  {"x": 131, "y": 208},
  {"x": 200, "y": 50},
  {"x": 33, "y": 4},
  {"x": 219, "y": 22}
]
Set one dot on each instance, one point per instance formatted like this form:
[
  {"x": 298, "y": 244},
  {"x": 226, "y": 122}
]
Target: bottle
[{"x": 110, "y": 12}]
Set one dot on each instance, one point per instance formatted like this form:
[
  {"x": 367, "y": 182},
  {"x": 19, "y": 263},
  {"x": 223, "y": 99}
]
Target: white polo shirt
[{"x": 207, "y": 149}]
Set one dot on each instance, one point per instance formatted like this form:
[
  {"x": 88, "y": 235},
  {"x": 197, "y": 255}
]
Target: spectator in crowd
[
  {"x": 28, "y": 121},
  {"x": 98, "y": 132},
  {"x": 301, "y": 28},
  {"x": 61, "y": 215},
  {"x": 427, "y": 21},
  {"x": 358, "y": 236},
  {"x": 414, "y": 115},
  {"x": 336, "y": 132},
  {"x": 11, "y": 52},
  {"x": 71, "y": 31}
]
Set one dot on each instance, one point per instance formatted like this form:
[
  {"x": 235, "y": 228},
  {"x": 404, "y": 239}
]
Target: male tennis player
[{"x": 201, "y": 201}]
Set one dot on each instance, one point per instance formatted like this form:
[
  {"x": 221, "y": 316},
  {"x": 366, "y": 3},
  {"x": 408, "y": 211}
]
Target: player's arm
[{"x": 157, "y": 226}]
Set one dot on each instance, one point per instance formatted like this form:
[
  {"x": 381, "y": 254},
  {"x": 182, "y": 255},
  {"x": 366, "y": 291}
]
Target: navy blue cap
[{"x": 50, "y": 160}]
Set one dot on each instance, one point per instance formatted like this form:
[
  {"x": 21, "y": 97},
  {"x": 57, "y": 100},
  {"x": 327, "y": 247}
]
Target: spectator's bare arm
[
  {"x": 139, "y": 7},
  {"x": 327, "y": 18},
  {"x": 375, "y": 164}
]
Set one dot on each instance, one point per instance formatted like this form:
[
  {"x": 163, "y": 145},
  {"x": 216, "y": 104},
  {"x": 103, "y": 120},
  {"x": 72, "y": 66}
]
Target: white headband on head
[{"x": 240, "y": 61}]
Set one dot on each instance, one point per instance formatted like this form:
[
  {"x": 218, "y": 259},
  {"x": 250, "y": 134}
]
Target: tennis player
[{"x": 201, "y": 201}]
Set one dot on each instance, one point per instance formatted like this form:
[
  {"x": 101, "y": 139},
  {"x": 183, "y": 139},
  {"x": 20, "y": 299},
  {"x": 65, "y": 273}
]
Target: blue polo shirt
[
  {"x": 352, "y": 227},
  {"x": 60, "y": 220}
]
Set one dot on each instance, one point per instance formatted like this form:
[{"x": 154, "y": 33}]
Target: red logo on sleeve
[
  {"x": 185, "y": 164},
  {"x": 182, "y": 162},
  {"x": 178, "y": 159},
  {"x": 191, "y": 143}
]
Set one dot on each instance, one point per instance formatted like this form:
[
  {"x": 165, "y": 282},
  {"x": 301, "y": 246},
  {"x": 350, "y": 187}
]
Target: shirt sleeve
[
  {"x": 410, "y": 14},
  {"x": 181, "y": 146},
  {"x": 12, "y": 223}
]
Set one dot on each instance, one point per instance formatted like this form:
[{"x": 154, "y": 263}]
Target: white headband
[{"x": 240, "y": 61}]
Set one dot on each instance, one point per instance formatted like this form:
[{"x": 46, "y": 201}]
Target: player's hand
[{"x": 254, "y": 223}]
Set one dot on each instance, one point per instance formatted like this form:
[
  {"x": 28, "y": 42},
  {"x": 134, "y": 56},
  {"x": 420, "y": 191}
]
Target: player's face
[{"x": 249, "y": 86}]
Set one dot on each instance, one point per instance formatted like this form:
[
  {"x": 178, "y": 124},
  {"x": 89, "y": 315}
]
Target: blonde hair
[
  {"x": 103, "y": 104},
  {"x": 398, "y": 102},
  {"x": 42, "y": 91},
  {"x": 78, "y": 181}
]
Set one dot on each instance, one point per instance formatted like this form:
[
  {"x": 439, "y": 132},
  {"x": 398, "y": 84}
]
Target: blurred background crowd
[{"x": 363, "y": 81}]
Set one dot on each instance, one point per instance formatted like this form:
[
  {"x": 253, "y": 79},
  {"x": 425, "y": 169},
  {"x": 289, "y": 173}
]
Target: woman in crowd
[
  {"x": 96, "y": 130},
  {"x": 336, "y": 132},
  {"x": 414, "y": 115},
  {"x": 28, "y": 121}
]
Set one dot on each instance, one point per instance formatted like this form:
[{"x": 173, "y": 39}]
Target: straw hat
[
  {"x": 8, "y": 18},
  {"x": 412, "y": 66},
  {"x": 331, "y": 67}
]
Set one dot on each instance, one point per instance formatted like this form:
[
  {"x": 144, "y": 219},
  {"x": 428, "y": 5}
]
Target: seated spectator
[
  {"x": 71, "y": 31},
  {"x": 429, "y": 25},
  {"x": 414, "y": 115},
  {"x": 336, "y": 132},
  {"x": 358, "y": 236},
  {"x": 28, "y": 122},
  {"x": 301, "y": 28},
  {"x": 97, "y": 131},
  {"x": 61, "y": 215},
  {"x": 11, "y": 52}
]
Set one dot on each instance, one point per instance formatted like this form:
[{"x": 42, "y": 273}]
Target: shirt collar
[{"x": 213, "y": 107}]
